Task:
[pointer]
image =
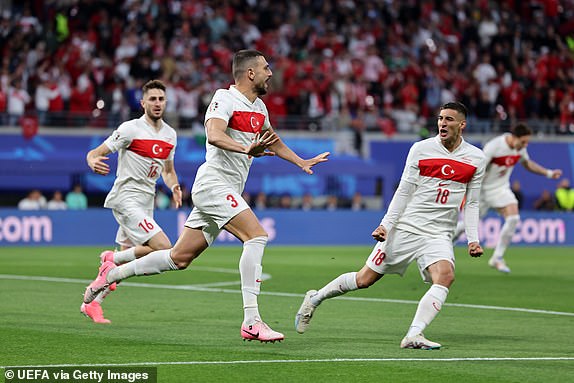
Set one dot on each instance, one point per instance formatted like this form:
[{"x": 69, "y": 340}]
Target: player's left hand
[
  {"x": 308, "y": 164},
  {"x": 258, "y": 147},
  {"x": 474, "y": 249}
]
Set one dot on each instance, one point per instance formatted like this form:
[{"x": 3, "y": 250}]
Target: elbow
[{"x": 213, "y": 140}]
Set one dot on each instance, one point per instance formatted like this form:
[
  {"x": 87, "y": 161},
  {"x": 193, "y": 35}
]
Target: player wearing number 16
[
  {"x": 146, "y": 148},
  {"x": 238, "y": 129},
  {"x": 419, "y": 224}
]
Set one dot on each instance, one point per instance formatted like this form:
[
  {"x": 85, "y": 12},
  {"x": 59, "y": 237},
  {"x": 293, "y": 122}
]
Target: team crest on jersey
[
  {"x": 246, "y": 121},
  {"x": 213, "y": 106},
  {"x": 446, "y": 169},
  {"x": 507, "y": 161}
]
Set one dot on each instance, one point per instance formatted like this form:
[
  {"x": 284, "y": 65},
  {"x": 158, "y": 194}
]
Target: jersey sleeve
[
  {"x": 221, "y": 106},
  {"x": 524, "y": 157},
  {"x": 471, "y": 215},
  {"x": 120, "y": 138},
  {"x": 476, "y": 180},
  {"x": 489, "y": 151},
  {"x": 398, "y": 204},
  {"x": 266, "y": 123},
  {"x": 411, "y": 170},
  {"x": 172, "y": 153}
]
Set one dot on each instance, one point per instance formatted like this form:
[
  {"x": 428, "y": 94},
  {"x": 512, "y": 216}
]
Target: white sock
[
  {"x": 506, "y": 234},
  {"x": 338, "y": 286},
  {"x": 429, "y": 306},
  {"x": 102, "y": 295},
  {"x": 124, "y": 256},
  {"x": 153, "y": 263},
  {"x": 250, "y": 269}
]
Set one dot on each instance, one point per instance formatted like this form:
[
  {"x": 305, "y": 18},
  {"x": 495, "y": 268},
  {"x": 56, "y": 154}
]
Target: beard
[
  {"x": 154, "y": 116},
  {"x": 261, "y": 89}
]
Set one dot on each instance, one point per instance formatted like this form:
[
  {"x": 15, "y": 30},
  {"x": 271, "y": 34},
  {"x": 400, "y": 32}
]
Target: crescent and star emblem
[
  {"x": 254, "y": 122},
  {"x": 447, "y": 170},
  {"x": 156, "y": 149}
]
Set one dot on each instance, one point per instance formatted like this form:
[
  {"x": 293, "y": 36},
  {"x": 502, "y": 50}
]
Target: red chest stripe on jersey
[
  {"x": 446, "y": 169},
  {"x": 151, "y": 148},
  {"x": 250, "y": 122},
  {"x": 508, "y": 161}
]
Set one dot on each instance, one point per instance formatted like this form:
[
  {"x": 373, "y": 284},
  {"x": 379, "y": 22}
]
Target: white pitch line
[
  {"x": 333, "y": 360},
  {"x": 206, "y": 288}
]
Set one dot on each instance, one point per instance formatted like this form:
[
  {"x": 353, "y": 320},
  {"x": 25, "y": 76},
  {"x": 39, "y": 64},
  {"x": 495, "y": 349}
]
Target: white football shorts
[
  {"x": 401, "y": 248},
  {"x": 496, "y": 199},
  {"x": 214, "y": 205},
  {"x": 137, "y": 225}
]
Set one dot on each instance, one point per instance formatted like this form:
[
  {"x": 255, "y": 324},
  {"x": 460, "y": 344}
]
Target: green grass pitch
[{"x": 494, "y": 327}]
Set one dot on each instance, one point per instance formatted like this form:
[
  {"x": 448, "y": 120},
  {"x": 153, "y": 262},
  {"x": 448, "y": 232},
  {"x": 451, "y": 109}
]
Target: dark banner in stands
[
  {"x": 97, "y": 227},
  {"x": 52, "y": 162}
]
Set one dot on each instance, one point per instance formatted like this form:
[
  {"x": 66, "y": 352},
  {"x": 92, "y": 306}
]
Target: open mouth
[{"x": 443, "y": 132}]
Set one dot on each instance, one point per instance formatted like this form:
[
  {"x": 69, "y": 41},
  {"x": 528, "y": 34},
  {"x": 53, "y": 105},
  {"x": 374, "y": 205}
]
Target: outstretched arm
[
  {"x": 538, "y": 169},
  {"x": 284, "y": 152},
  {"x": 96, "y": 157}
]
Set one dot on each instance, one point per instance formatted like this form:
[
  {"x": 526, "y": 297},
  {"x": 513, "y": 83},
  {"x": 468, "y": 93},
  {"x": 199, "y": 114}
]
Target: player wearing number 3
[
  {"x": 146, "y": 148},
  {"x": 238, "y": 129},
  {"x": 419, "y": 224}
]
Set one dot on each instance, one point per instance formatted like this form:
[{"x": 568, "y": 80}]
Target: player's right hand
[
  {"x": 98, "y": 165},
  {"x": 380, "y": 234}
]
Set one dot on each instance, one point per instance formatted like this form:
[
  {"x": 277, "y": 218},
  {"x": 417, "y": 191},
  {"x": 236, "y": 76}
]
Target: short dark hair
[
  {"x": 521, "y": 130},
  {"x": 456, "y": 105},
  {"x": 242, "y": 59},
  {"x": 153, "y": 84}
]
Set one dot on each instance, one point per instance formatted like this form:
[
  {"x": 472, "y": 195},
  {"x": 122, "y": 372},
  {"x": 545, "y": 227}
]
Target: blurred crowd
[
  {"x": 283, "y": 201},
  {"x": 359, "y": 65},
  {"x": 561, "y": 199},
  {"x": 75, "y": 200}
]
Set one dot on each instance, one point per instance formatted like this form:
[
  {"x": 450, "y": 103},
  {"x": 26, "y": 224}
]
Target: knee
[
  {"x": 182, "y": 259},
  {"x": 445, "y": 279},
  {"x": 365, "y": 280}
]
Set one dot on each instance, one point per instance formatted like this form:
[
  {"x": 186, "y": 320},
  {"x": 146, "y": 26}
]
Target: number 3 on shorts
[{"x": 232, "y": 200}]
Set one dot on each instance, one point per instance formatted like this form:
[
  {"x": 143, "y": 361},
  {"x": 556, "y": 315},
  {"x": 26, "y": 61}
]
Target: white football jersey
[
  {"x": 244, "y": 120},
  {"x": 500, "y": 160},
  {"x": 142, "y": 152},
  {"x": 442, "y": 179}
]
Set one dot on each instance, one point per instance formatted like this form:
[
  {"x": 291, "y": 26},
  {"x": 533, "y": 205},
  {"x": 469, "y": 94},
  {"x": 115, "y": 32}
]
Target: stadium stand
[
  {"x": 342, "y": 69},
  {"x": 386, "y": 64}
]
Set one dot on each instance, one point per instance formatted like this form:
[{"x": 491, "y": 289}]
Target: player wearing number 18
[
  {"x": 146, "y": 148},
  {"x": 419, "y": 224}
]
